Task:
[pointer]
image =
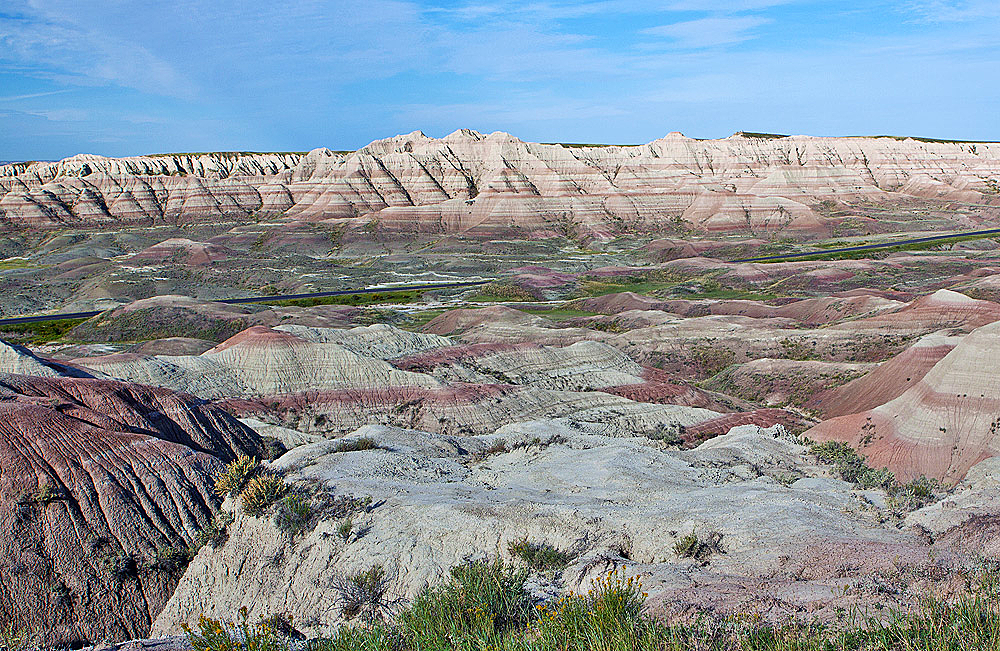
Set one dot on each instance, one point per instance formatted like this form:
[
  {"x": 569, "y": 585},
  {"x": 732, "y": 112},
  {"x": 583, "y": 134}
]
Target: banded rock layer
[
  {"x": 484, "y": 185},
  {"x": 98, "y": 480}
]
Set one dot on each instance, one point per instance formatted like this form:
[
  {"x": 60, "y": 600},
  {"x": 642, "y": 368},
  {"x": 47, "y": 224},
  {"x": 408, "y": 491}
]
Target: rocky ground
[{"x": 621, "y": 395}]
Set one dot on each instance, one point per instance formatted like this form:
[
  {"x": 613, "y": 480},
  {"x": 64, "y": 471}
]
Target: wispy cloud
[
  {"x": 18, "y": 98},
  {"x": 709, "y": 32}
]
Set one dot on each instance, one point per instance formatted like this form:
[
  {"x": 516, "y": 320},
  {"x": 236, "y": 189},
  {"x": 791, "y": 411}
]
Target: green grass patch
[
  {"x": 880, "y": 250},
  {"x": 15, "y": 263},
  {"x": 396, "y": 297},
  {"x": 38, "y": 332}
]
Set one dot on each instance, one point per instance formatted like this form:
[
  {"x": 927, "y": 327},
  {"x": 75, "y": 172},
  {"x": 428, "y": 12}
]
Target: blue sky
[{"x": 122, "y": 78}]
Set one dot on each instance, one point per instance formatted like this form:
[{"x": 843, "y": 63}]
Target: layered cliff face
[
  {"x": 103, "y": 486},
  {"x": 482, "y": 185}
]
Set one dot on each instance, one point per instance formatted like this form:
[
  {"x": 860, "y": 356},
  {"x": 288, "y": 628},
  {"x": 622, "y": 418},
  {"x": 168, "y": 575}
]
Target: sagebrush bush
[
  {"x": 261, "y": 492},
  {"x": 235, "y": 475}
]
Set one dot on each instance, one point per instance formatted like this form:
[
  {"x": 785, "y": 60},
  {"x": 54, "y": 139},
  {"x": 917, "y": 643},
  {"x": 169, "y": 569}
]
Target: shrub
[
  {"x": 170, "y": 559},
  {"x": 539, "y": 556},
  {"x": 481, "y": 602},
  {"x": 234, "y": 477},
  {"x": 261, "y": 492},
  {"x": 365, "y": 594},
  {"x": 691, "y": 546},
  {"x": 216, "y": 533},
  {"x": 217, "y": 635},
  {"x": 851, "y": 466},
  {"x": 294, "y": 515},
  {"x": 356, "y": 445},
  {"x": 608, "y": 617}
]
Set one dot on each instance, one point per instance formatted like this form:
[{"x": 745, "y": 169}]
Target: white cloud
[{"x": 709, "y": 32}]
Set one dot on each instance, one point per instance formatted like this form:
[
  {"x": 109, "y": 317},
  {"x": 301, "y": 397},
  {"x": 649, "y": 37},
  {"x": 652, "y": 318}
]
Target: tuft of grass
[
  {"x": 366, "y": 595},
  {"x": 345, "y": 528},
  {"x": 234, "y": 477},
  {"x": 294, "y": 515},
  {"x": 15, "y": 638},
  {"x": 216, "y": 533},
  {"x": 356, "y": 445},
  {"x": 481, "y": 603},
  {"x": 261, "y": 492},
  {"x": 539, "y": 556}
]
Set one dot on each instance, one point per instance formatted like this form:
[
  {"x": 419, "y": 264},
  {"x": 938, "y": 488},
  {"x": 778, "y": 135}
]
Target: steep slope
[
  {"x": 942, "y": 425},
  {"x": 103, "y": 485},
  {"x": 484, "y": 185}
]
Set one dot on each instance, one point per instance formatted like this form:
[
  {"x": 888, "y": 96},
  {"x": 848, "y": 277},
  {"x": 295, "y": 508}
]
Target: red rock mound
[
  {"x": 940, "y": 427},
  {"x": 102, "y": 485}
]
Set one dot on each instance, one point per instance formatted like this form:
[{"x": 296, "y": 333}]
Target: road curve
[
  {"x": 869, "y": 247},
  {"x": 256, "y": 299}
]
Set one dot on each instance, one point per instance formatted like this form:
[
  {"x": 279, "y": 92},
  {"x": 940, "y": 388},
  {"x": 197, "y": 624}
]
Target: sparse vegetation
[
  {"x": 294, "y": 515},
  {"x": 345, "y": 528},
  {"x": 850, "y": 466},
  {"x": 15, "y": 638},
  {"x": 700, "y": 549},
  {"x": 44, "y": 495},
  {"x": 38, "y": 332},
  {"x": 396, "y": 297},
  {"x": 261, "y": 492},
  {"x": 242, "y": 635},
  {"x": 234, "y": 477},
  {"x": 366, "y": 595},
  {"x": 217, "y": 531},
  {"x": 356, "y": 445},
  {"x": 485, "y": 606},
  {"x": 171, "y": 559},
  {"x": 504, "y": 291},
  {"x": 539, "y": 555}
]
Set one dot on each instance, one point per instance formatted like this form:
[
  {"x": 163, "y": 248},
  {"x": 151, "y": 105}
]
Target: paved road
[
  {"x": 868, "y": 247},
  {"x": 255, "y": 299}
]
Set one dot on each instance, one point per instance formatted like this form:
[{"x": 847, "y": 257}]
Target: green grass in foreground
[
  {"x": 397, "y": 297},
  {"x": 485, "y": 606},
  {"x": 39, "y": 332}
]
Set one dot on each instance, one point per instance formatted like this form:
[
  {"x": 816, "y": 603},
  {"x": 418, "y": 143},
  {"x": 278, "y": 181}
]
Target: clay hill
[
  {"x": 103, "y": 487},
  {"x": 489, "y": 185}
]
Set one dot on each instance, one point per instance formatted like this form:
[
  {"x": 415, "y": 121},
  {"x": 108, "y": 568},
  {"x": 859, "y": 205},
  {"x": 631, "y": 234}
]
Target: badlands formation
[
  {"x": 497, "y": 185},
  {"x": 620, "y": 382}
]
